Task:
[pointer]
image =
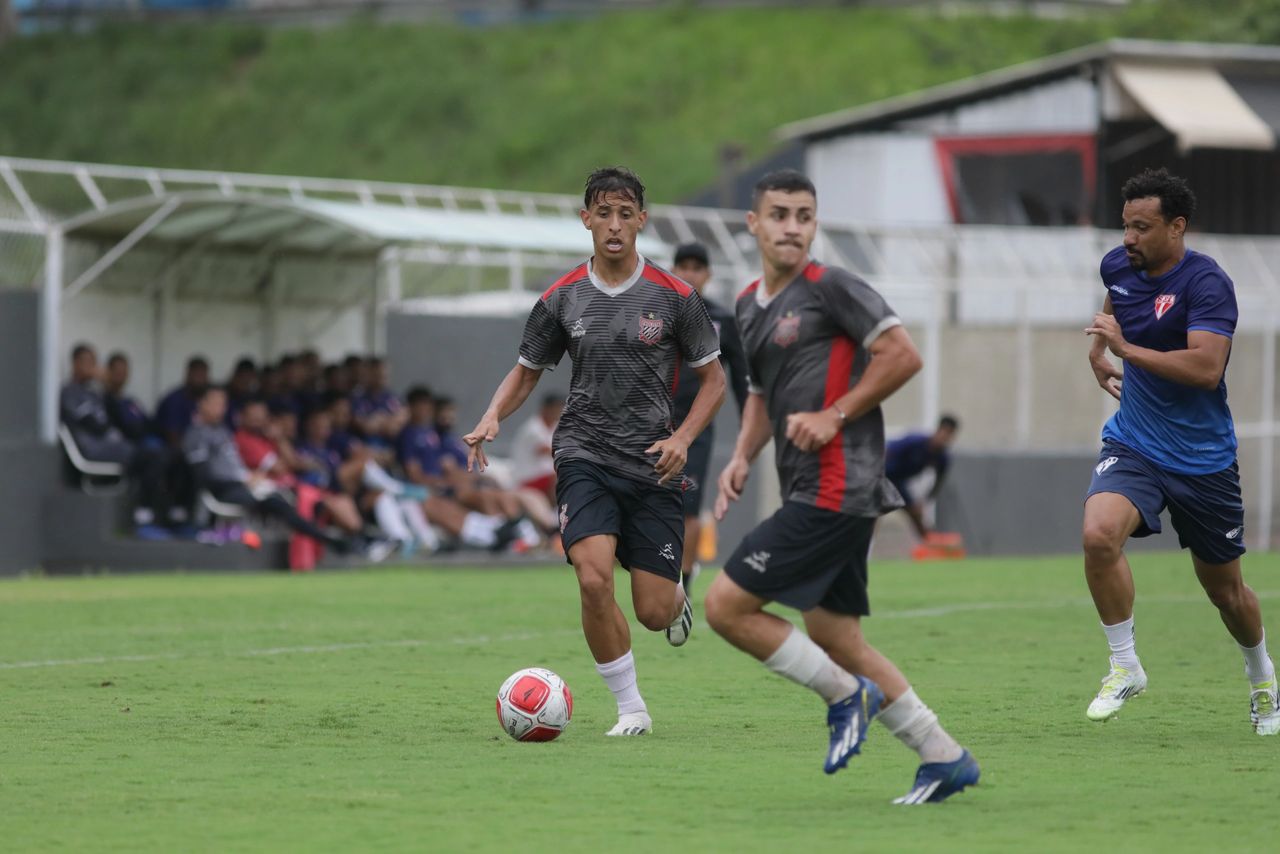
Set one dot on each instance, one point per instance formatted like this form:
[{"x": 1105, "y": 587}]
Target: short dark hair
[
  {"x": 950, "y": 422},
  {"x": 786, "y": 180},
  {"x": 245, "y": 364},
  {"x": 197, "y": 362},
  {"x": 204, "y": 391},
  {"x": 80, "y": 349},
  {"x": 613, "y": 179},
  {"x": 117, "y": 357},
  {"x": 1176, "y": 198},
  {"x": 418, "y": 394},
  {"x": 552, "y": 399},
  {"x": 444, "y": 400}
]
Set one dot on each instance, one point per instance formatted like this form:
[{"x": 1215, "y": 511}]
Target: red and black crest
[
  {"x": 650, "y": 328},
  {"x": 786, "y": 330}
]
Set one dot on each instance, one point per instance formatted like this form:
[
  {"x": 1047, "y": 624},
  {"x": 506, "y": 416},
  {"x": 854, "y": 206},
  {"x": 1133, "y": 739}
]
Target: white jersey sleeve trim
[
  {"x": 535, "y": 367},
  {"x": 705, "y": 361},
  {"x": 881, "y": 328},
  {"x": 752, "y": 388}
]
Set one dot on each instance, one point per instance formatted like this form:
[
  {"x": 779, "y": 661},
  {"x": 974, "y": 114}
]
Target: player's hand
[
  {"x": 672, "y": 455},
  {"x": 1106, "y": 327},
  {"x": 810, "y": 431},
  {"x": 1109, "y": 376},
  {"x": 731, "y": 482},
  {"x": 485, "y": 431}
]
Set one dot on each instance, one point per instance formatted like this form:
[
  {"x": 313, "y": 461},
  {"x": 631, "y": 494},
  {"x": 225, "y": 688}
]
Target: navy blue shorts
[
  {"x": 805, "y": 557},
  {"x": 901, "y": 485},
  {"x": 696, "y": 468},
  {"x": 1206, "y": 509},
  {"x": 647, "y": 519}
]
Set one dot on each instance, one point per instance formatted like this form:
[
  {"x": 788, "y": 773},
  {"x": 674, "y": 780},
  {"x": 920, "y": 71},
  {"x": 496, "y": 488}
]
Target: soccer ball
[{"x": 534, "y": 704}]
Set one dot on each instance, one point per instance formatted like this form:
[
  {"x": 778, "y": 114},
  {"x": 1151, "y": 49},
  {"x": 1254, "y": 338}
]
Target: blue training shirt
[{"x": 1179, "y": 428}]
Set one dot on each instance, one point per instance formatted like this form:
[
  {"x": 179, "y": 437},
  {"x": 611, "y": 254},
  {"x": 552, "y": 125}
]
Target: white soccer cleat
[
  {"x": 1264, "y": 708},
  {"x": 678, "y": 631},
  {"x": 632, "y": 723},
  {"x": 1118, "y": 685}
]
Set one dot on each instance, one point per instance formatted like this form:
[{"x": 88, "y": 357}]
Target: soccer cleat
[
  {"x": 678, "y": 631},
  {"x": 632, "y": 723},
  {"x": 937, "y": 781},
  {"x": 848, "y": 720},
  {"x": 1264, "y": 710},
  {"x": 1118, "y": 685}
]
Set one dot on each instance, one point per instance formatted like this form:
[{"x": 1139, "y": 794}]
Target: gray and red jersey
[
  {"x": 626, "y": 343},
  {"x": 806, "y": 346}
]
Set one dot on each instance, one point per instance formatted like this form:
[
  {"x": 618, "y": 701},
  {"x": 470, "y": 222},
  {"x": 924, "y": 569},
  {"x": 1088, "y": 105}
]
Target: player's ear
[
  {"x": 586, "y": 218},
  {"x": 644, "y": 218},
  {"x": 752, "y": 219}
]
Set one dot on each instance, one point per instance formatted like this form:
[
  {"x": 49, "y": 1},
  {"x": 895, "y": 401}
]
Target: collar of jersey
[
  {"x": 616, "y": 289},
  {"x": 764, "y": 300}
]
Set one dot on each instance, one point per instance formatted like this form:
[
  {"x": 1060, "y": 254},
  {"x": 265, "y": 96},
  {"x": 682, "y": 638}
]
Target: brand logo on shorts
[
  {"x": 668, "y": 552},
  {"x": 578, "y": 329},
  {"x": 787, "y": 330},
  {"x": 757, "y": 561},
  {"x": 1164, "y": 302},
  {"x": 650, "y": 328},
  {"x": 1106, "y": 464},
  {"x": 564, "y": 517},
  {"x": 1235, "y": 532}
]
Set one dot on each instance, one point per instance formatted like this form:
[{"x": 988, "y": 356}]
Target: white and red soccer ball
[{"x": 534, "y": 704}]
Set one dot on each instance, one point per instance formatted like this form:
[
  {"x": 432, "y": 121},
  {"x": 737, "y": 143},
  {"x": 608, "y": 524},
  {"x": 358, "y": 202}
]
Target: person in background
[
  {"x": 173, "y": 415},
  {"x": 379, "y": 414},
  {"x": 910, "y": 456},
  {"x": 125, "y": 413},
  {"x": 83, "y": 409},
  {"x": 693, "y": 264},
  {"x": 242, "y": 387},
  {"x": 531, "y": 464}
]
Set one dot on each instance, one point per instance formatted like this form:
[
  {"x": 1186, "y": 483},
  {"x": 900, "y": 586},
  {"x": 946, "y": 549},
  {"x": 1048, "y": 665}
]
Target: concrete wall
[{"x": 28, "y": 470}]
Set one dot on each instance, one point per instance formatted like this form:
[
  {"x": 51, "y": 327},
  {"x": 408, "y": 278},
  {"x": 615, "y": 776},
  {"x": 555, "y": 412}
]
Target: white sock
[
  {"x": 417, "y": 520},
  {"x": 916, "y": 726},
  {"x": 528, "y": 533},
  {"x": 1257, "y": 664},
  {"x": 804, "y": 662},
  {"x": 390, "y": 520},
  {"x": 479, "y": 530},
  {"x": 1120, "y": 639},
  {"x": 620, "y": 677}
]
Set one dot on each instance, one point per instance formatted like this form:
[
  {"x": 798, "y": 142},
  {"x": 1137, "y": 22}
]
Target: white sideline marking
[{"x": 481, "y": 640}]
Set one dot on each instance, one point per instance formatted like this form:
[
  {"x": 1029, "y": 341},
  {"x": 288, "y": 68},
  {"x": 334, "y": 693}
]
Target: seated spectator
[
  {"x": 242, "y": 387},
  {"x": 379, "y": 415},
  {"x": 288, "y": 396},
  {"x": 510, "y": 502},
  {"x": 532, "y": 466},
  {"x": 125, "y": 413},
  {"x": 419, "y": 450},
  {"x": 211, "y": 452},
  {"x": 910, "y": 456},
  {"x": 84, "y": 411},
  {"x": 176, "y": 408}
]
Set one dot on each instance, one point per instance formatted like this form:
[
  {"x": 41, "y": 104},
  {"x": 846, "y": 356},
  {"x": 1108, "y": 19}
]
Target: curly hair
[
  {"x": 1176, "y": 198},
  {"x": 614, "y": 179}
]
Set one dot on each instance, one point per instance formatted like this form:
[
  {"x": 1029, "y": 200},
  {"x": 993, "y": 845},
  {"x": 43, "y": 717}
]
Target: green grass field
[{"x": 354, "y": 711}]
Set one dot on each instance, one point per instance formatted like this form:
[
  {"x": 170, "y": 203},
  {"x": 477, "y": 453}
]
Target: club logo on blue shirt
[{"x": 1164, "y": 302}]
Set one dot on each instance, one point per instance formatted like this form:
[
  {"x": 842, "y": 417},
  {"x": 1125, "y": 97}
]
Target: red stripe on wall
[{"x": 831, "y": 468}]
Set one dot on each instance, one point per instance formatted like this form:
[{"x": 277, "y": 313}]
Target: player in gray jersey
[
  {"x": 823, "y": 351},
  {"x": 626, "y": 324}
]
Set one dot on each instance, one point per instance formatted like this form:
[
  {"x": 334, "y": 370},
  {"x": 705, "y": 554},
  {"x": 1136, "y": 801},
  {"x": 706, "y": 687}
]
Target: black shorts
[
  {"x": 646, "y": 518},
  {"x": 805, "y": 557},
  {"x": 1207, "y": 510},
  {"x": 695, "y": 472}
]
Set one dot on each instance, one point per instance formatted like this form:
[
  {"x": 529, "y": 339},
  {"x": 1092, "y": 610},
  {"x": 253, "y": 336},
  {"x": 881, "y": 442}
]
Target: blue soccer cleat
[
  {"x": 937, "y": 781},
  {"x": 848, "y": 721}
]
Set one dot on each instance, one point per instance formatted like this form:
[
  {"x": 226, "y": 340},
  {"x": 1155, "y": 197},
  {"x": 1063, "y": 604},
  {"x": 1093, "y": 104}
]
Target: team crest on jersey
[
  {"x": 1164, "y": 302},
  {"x": 650, "y": 328},
  {"x": 786, "y": 330}
]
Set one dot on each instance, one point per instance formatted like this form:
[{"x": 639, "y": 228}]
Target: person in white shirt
[{"x": 531, "y": 464}]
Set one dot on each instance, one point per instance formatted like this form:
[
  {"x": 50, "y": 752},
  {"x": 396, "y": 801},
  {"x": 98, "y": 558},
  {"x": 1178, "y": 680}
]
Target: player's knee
[
  {"x": 718, "y": 614},
  {"x": 1102, "y": 539},
  {"x": 654, "y": 616},
  {"x": 596, "y": 588},
  {"x": 1226, "y": 596}
]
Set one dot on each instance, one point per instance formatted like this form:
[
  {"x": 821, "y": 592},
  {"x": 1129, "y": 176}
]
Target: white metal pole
[
  {"x": 1024, "y": 370},
  {"x": 1262, "y": 539},
  {"x": 51, "y": 329}
]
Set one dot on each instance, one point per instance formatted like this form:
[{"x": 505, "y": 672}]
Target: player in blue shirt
[
  {"x": 906, "y": 458},
  {"x": 1170, "y": 314}
]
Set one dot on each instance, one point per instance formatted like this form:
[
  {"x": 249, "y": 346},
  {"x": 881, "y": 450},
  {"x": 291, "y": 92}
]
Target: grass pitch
[{"x": 355, "y": 712}]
